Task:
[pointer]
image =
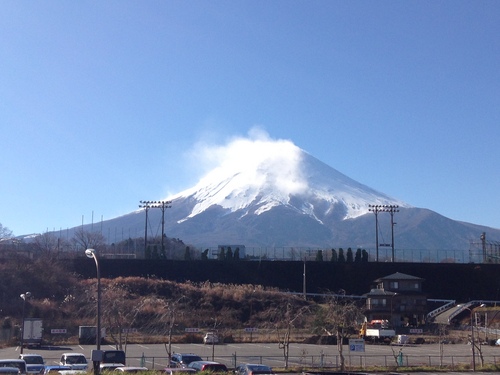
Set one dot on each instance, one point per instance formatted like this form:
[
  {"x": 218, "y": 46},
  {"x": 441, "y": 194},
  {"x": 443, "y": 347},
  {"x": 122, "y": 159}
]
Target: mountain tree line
[{"x": 52, "y": 245}]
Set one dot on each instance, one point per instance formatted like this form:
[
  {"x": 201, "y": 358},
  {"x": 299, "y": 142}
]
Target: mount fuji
[{"x": 274, "y": 194}]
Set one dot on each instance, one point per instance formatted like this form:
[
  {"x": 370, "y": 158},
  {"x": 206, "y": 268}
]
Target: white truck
[
  {"x": 32, "y": 332},
  {"x": 377, "y": 330}
]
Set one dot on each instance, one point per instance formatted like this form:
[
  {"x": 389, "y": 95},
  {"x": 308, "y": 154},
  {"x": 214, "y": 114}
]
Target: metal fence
[{"x": 329, "y": 361}]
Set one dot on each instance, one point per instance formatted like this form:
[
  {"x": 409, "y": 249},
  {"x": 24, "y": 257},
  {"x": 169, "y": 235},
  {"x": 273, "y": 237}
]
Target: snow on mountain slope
[{"x": 255, "y": 176}]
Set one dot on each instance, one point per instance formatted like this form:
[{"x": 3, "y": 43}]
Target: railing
[
  {"x": 277, "y": 253},
  {"x": 326, "y": 362},
  {"x": 449, "y": 304}
]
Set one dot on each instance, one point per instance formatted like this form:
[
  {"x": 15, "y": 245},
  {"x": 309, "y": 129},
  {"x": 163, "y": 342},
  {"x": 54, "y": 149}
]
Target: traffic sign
[
  {"x": 58, "y": 331},
  {"x": 356, "y": 345}
]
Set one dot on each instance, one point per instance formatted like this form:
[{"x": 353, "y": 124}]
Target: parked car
[
  {"x": 72, "y": 372},
  {"x": 210, "y": 338},
  {"x": 178, "y": 370},
  {"x": 114, "y": 356},
  {"x": 55, "y": 369},
  {"x": 16, "y": 363},
  {"x": 76, "y": 361},
  {"x": 9, "y": 371},
  {"x": 131, "y": 369},
  {"x": 208, "y": 366},
  {"x": 110, "y": 366},
  {"x": 35, "y": 363},
  {"x": 253, "y": 369},
  {"x": 184, "y": 359}
]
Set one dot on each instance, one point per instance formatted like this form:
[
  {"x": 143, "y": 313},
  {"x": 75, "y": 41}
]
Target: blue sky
[{"x": 103, "y": 104}]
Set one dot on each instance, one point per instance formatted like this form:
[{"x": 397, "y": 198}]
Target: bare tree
[
  {"x": 47, "y": 244},
  {"x": 88, "y": 240},
  {"x": 284, "y": 321},
  {"x": 341, "y": 318},
  {"x": 171, "y": 312},
  {"x": 5, "y": 232}
]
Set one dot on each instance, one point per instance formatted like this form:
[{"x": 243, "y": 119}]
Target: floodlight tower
[
  {"x": 392, "y": 209},
  {"x": 146, "y": 206},
  {"x": 163, "y": 205},
  {"x": 375, "y": 209}
]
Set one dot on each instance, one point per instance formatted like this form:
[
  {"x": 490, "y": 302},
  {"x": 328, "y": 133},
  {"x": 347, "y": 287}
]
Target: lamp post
[
  {"x": 24, "y": 296},
  {"x": 91, "y": 253}
]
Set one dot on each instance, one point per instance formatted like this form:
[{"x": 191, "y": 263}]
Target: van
[{"x": 113, "y": 356}]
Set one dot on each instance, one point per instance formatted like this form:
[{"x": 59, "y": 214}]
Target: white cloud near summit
[{"x": 256, "y": 160}]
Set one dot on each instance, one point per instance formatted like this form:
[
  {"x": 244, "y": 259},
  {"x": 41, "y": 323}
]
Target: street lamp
[
  {"x": 91, "y": 253},
  {"x": 24, "y": 296}
]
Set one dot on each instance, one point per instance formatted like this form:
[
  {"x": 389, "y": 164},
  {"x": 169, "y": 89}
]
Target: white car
[
  {"x": 14, "y": 363},
  {"x": 76, "y": 361},
  {"x": 211, "y": 338},
  {"x": 131, "y": 369},
  {"x": 34, "y": 363}
]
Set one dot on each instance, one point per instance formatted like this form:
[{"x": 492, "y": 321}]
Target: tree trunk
[{"x": 340, "y": 349}]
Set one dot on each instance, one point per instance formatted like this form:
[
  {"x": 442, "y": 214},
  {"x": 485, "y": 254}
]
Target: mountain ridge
[{"x": 281, "y": 196}]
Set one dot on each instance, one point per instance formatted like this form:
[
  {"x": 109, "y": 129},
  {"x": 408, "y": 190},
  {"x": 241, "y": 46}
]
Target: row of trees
[
  {"x": 170, "y": 248},
  {"x": 349, "y": 257},
  {"x": 227, "y": 254}
]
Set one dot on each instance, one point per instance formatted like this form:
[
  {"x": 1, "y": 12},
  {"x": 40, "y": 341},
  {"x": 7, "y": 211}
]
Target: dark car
[
  {"x": 184, "y": 359},
  {"x": 113, "y": 356},
  {"x": 208, "y": 366}
]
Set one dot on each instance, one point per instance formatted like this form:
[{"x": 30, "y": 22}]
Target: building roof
[
  {"x": 380, "y": 292},
  {"x": 399, "y": 276}
]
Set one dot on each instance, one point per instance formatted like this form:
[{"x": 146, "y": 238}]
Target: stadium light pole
[
  {"x": 24, "y": 296},
  {"x": 375, "y": 209},
  {"x": 163, "y": 205},
  {"x": 392, "y": 209},
  {"x": 146, "y": 206}
]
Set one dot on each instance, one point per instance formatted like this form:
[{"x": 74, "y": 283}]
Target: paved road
[{"x": 154, "y": 356}]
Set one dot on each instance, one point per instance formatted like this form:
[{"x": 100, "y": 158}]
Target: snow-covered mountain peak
[{"x": 262, "y": 174}]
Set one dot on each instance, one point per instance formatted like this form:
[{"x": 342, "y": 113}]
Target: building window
[{"x": 394, "y": 285}]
